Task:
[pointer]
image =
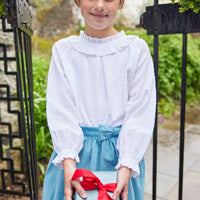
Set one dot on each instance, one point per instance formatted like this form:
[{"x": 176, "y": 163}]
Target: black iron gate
[
  {"x": 18, "y": 164},
  {"x": 166, "y": 19}
]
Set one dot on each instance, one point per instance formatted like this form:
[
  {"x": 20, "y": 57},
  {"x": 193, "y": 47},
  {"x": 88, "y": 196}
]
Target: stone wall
[
  {"x": 55, "y": 19},
  {"x": 8, "y": 40}
]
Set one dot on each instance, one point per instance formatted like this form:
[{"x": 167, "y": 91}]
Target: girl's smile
[{"x": 99, "y": 15}]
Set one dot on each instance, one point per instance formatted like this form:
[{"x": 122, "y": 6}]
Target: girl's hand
[
  {"x": 69, "y": 166},
  {"x": 122, "y": 183}
]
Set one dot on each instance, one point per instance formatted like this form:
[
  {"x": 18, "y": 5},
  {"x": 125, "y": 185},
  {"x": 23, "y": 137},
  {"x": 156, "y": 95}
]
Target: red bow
[{"x": 91, "y": 182}]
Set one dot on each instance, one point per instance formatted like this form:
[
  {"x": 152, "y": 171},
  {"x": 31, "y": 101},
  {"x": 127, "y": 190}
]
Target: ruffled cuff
[
  {"x": 131, "y": 164},
  {"x": 58, "y": 161}
]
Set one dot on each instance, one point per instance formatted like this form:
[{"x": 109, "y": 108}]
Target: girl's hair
[{"x": 77, "y": 3}]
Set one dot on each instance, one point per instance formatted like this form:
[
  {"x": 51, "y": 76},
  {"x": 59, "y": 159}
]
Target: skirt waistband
[{"x": 102, "y": 132}]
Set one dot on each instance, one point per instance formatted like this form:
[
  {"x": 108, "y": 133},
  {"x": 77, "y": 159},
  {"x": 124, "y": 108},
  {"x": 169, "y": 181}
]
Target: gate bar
[
  {"x": 155, "y": 133},
  {"x": 23, "y": 125},
  {"x": 182, "y": 117},
  {"x": 154, "y": 177},
  {"x": 32, "y": 143},
  {"x": 155, "y": 2},
  {"x": 25, "y": 104}
]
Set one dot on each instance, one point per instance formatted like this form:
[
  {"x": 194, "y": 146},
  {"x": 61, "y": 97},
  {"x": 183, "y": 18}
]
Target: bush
[
  {"x": 2, "y": 10},
  {"x": 42, "y": 46},
  {"x": 43, "y": 139},
  {"x": 170, "y": 69},
  {"x": 186, "y": 5}
]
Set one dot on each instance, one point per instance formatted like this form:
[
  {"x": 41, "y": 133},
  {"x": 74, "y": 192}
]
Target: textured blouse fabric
[{"x": 108, "y": 81}]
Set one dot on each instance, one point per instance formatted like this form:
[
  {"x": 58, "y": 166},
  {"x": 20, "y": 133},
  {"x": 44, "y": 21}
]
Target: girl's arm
[
  {"x": 62, "y": 114},
  {"x": 62, "y": 119},
  {"x": 138, "y": 124}
]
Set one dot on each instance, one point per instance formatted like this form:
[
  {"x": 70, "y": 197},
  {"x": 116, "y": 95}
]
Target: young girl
[{"x": 100, "y": 105}]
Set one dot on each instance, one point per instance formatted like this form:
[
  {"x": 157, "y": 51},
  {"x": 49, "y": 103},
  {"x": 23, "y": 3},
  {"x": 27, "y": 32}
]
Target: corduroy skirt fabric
[{"x": 99, "y": 153}]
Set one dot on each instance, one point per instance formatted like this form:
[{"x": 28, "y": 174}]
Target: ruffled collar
[
  {"x": 101, "y": 40},
  {"x": 99, "y": 46}
]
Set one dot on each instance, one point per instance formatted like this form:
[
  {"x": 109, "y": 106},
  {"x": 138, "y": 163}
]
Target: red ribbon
[{"x": 91, "y": 182}]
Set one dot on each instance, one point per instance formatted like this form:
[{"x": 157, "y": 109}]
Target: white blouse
[{"x": 108, "y": 81}]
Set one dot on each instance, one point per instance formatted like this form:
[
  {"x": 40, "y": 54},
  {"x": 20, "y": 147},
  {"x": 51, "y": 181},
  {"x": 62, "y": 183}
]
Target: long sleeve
[
  {"x": 137, "y": 127},
  {"x": 62, "y": 114}
]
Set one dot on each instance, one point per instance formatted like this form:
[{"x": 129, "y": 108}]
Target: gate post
[
  {"x": 166, "y": 19},
  {"x": 17, "y": 136}
]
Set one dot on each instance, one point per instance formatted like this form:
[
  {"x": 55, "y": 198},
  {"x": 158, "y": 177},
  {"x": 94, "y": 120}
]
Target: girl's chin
[{"x": 99, "y": 28}]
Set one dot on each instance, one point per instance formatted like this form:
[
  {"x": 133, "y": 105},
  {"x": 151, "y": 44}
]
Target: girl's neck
[{"x": 100, "y": 33}]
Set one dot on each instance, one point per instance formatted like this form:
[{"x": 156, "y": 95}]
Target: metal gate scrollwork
[{"x": 18, "y": 165}]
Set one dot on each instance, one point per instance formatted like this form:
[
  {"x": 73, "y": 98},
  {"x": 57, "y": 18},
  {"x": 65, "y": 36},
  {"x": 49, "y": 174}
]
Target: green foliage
[
  {"x": 43, "y": 143},
  {"x": 42, "y": 3},
  {"x": 186, "y": 5},
  {"x": 81, "y": 27},
  {"x": 2, "y": 9},
  {"x": 38, "y": 2},
  {"x": 42, "y": 171},
  {"x": 42, "y": 46},
  {"x": 170, "y": 69},
  {"x": 43, "y": 139},
  {"x": 167, "y": 106}
]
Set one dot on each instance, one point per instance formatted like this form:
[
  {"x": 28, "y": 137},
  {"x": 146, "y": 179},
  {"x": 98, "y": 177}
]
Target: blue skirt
[{"x": 99, "y": 153}]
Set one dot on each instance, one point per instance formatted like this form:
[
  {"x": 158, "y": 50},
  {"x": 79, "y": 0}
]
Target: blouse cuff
[
  {"x": 131, "y": 164},
  {"x": 58, "y": 160}
]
